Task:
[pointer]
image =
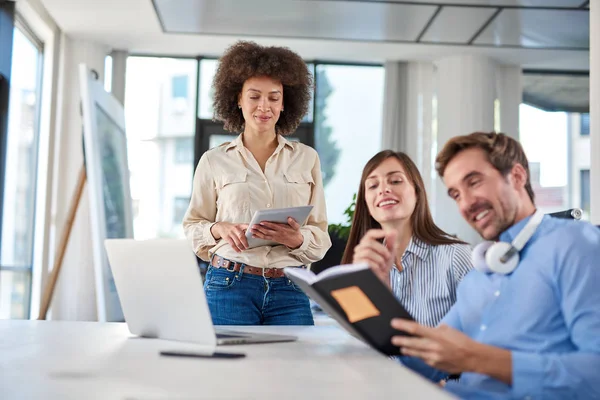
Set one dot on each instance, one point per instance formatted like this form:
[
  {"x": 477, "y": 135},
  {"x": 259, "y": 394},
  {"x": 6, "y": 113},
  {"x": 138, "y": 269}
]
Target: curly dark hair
[{"x": 245, "y": 60}]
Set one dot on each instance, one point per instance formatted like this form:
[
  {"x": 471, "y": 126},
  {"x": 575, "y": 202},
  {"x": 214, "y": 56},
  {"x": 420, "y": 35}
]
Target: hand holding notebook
[{"x": 356, "y": 298}]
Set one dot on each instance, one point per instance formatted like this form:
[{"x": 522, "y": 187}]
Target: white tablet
[{"x": 300, "y": 214}]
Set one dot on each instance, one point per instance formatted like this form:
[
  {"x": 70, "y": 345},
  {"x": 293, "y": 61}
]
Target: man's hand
[
  {"x": 234, "y": 234},
  {"x": 450, "y": 350},
  {"x": 287, "y": 234},
  {"x": 378, "y": 256}
]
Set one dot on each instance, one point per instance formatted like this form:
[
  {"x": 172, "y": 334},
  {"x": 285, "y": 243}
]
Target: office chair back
[{"x": 573, "y": 213}]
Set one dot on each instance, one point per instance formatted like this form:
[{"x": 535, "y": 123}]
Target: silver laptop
[{"x": 162, "y": 295}]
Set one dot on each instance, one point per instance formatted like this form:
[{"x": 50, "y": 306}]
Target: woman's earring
[{"x": 239, "y": 106}]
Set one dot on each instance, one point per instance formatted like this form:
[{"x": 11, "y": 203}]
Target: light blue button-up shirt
[{"x": 546, "y": 312}]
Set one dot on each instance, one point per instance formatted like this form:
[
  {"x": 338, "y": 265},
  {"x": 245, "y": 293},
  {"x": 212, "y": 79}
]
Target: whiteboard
[{"x": 105, "y": 151}]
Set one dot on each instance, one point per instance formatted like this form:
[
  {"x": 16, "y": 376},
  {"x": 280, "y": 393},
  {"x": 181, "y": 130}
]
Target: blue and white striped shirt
[{"x": 430, "y": 274}]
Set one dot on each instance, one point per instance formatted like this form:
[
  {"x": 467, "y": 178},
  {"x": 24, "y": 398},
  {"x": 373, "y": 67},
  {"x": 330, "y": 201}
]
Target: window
[
  {"x": 585, "y": 124},
  {"x": 184, "y": 151},
  {"x": 179, "y": 86},
  {"x": 544, "y": 137},
  {"x": 20, "y": 180},
  {"x": 160, "y": 142},
  {"x": 208, "y": 68},
  {"x": 584, "y": 181},
  {"x": 340, "y": 91},
  {"x": 108, "y": 64},
  {"x": 346, "y": 143},
  {"x": 180, "y": 206}
]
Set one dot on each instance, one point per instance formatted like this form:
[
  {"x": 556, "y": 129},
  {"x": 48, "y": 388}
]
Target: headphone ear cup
[
  {"x": 478, "y": 256},
  {"x": 493, "y": 255}
]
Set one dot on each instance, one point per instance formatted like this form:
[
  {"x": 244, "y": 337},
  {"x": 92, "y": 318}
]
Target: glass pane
[
  {"x": 584, "y": 181},
  {"x": 345, "y": 143},
  {"x": 110, "y": 135},
  {"x": 108, "y": 61},
  {"x": 544, "y": 137},
  {"x": 160, "y": 103},
  {"x": 15, "y": 288},
  {"x": 21, "y": 155},
  {"x": 585, "y": 125},
  {"x": 208, "y": 68}
]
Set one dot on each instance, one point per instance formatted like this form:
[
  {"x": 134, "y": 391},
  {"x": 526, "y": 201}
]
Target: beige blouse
[{"x": 229, "y": 185}]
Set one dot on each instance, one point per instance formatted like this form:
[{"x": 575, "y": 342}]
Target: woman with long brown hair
[{"x": 393, "y": 232}]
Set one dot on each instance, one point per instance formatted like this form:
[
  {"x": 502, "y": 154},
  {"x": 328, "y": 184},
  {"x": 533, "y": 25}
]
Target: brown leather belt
[{"x": 233, "y": 266}]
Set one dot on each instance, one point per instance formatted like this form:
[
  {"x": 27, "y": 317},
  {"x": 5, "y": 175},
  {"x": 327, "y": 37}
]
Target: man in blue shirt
[{"x": 533, "y": 332}]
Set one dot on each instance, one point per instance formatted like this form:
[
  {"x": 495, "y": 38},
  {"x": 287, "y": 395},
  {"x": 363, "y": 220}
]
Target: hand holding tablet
[{"x": 277, "y": 215}]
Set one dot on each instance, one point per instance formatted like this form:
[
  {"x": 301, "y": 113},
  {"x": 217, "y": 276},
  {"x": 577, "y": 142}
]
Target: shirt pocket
[
  {"x": 233, "y": 193},
  {"x": 298, "y": 187}
]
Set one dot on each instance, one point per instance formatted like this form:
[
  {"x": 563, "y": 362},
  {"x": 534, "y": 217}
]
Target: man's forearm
[{"x": 494, "y": 362}]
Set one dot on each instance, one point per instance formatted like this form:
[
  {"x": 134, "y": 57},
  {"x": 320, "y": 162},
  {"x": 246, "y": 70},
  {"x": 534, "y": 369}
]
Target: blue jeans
[{"x": 235, "y": 298}]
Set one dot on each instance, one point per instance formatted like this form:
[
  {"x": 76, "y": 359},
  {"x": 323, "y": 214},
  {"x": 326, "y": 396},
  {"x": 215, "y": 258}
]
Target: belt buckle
[
  {"x": 230, "y": 263},
  {"x": 268, "y": 272}
]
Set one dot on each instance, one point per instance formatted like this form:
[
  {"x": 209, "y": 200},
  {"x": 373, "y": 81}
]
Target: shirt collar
[
  {"x": 512, "y": 232},
  {"x": 238, "y": 143},
  {"x": 418, "y": 248}
]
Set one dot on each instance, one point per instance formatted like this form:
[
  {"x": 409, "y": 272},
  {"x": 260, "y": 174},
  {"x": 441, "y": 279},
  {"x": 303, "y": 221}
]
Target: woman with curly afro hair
[{"x": 262, "y": 93}]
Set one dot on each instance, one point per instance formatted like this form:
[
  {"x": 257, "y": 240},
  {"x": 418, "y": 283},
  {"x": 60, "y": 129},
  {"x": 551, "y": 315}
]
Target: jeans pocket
[
  {"x": 219, "y": 279},
  {"x": 294, "y": 286}
]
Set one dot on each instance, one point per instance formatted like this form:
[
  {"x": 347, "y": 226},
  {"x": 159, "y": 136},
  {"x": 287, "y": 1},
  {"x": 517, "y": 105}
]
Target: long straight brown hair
[{"x": 422, "y": 223}]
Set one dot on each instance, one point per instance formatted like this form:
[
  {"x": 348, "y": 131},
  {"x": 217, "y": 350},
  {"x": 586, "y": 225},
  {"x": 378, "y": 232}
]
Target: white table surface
[{"x": 90, "y": 360}]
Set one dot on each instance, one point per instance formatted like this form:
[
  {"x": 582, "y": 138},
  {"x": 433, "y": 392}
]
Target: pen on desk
[{"x": 190, "y": 354}]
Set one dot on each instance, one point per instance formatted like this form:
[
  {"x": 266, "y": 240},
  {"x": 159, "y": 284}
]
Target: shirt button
[
  {"x": 268, "y": 206},
  {"x": 483, "y": 327},
  {"x": 497, "y": 293}
]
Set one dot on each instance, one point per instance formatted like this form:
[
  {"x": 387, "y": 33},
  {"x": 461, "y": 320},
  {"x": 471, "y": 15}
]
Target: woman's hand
[
  {"x": 287, "y": 234},
  {"x": 234, "y": 234},
  {"x": 378, "y": 256}
]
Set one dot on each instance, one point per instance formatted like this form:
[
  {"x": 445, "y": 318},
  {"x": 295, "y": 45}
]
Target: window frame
[{"x": 25, "y": 29}]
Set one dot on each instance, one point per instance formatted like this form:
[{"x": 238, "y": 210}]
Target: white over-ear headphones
[{"x": 503, "y": 257}]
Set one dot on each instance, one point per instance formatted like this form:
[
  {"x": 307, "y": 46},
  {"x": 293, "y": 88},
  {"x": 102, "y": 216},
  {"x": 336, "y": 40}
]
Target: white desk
[{"x": 88, "y": 360}]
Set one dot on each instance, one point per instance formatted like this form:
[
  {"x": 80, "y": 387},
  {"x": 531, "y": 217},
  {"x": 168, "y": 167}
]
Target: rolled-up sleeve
[
  {"x": 316, "y": 238},
  {"x": 201, "y": 213}
]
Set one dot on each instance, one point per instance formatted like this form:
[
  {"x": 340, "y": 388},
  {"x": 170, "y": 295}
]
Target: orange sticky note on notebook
[{"x": 355, "y": 303}]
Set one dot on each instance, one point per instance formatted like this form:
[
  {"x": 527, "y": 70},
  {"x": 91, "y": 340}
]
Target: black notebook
[{"x": 354, "y": 296}]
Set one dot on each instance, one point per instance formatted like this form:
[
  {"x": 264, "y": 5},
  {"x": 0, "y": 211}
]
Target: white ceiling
[{"x": 335, "y": 30}]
